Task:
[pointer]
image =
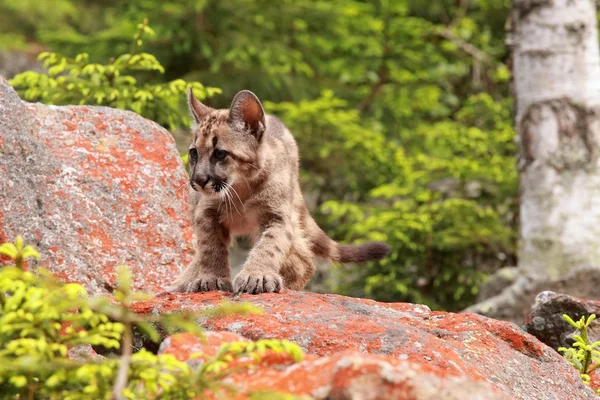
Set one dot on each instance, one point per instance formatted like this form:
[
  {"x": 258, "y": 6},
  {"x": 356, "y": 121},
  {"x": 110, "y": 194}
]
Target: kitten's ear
[
  {"x": 197, "y": 109},
  {"x": 247, "y": 112}
]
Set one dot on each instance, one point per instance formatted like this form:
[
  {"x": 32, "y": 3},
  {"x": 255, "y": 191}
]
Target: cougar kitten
[{"x": 244, "y": 181}]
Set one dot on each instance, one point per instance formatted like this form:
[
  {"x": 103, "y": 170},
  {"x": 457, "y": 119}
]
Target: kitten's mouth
[
  {"x": 216, "y": 185},
  {"x": 219, "y": 185}
]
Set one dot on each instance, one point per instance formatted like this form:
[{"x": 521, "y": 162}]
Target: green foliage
[
  {"x": 583, "y": 355},
  {"x": 118, "y": 84},
  {"x": 20, "y": 19},
  {"x": 17, "y": 252},
  {"x": 271, "y": 395},
  {"x": 41, "y": 319},
  {"x": 255, "y": 350},
  {"x": 401, "y": 110},
  {"x": 443, "y": 200}
]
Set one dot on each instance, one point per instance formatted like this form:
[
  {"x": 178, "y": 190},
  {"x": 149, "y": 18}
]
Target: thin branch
[
  {"x": 121, "y": 380},
  {"x": 381, "y": 72},
  {"x": 465, "y": 46},
  {"x": 461, "y": 11},
  {"x": 201, "y": 22},
  {"x": 375, "y": 89}
]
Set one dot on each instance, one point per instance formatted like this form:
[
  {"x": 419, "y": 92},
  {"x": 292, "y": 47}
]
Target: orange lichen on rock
[
  {"x": 93, "y": 188},
  {"x": 351, "y": 343},
  {"x": 343, "y": 375}
]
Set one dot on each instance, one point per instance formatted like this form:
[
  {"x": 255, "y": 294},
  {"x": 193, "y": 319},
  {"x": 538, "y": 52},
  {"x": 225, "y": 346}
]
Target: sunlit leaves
[
  {"x": 445, "y": 207},
  {"x": 41, "y": 319},
  {"x": 118, "y": 84},
  {"x": 583, "y": 355},
  {"x": 17, "y": 252}
]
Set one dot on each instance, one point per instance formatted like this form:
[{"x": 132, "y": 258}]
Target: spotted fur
[{"x": 244, "y": 181}]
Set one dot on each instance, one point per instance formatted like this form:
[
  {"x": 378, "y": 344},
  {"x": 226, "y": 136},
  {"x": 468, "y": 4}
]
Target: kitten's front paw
[
  {"x": 257, "y": 282},
  {"x": 203, "y": 283}
]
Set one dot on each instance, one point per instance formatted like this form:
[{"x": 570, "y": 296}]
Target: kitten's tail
[{"x": 325, "y": 247}]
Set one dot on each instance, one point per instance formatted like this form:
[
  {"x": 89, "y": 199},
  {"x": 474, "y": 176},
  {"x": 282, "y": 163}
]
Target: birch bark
[{"x": 556, "y": 70}]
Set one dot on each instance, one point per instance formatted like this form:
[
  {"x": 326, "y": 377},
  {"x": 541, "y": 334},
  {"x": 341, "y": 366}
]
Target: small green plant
[
  {"x": 583, "y": 355},
  {"x": 17, "y": 252},
  {"x": 229, "y": 351},
  {"x": 121, "y": 83},
  {"x": 42, "y": 319}
]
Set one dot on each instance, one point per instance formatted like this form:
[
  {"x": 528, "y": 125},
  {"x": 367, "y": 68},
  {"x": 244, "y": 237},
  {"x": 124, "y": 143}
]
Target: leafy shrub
[
  {"x": 119, "y": 84},
  {"x": 41, "y": 320},
  {"x": 442, "y": 199},
  {"x": 583, "y": 355}
]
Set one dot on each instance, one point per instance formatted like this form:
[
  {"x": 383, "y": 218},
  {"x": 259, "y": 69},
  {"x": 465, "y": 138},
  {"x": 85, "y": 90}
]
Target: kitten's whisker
[
  {"x": 220, "y": 201},
  {"x": 247, "y": 184},
  {"x": 230, "y": 204},
  {"x": 236, "y": 209},
  {"x": 181, "y": 187},
  {"x": 227, "y": 204},
  {"x": 229, "y": 186}
]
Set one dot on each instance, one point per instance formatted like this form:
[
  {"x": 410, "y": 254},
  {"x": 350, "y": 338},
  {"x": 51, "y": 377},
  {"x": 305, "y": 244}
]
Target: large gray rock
[
  {"x": 497, "y": 282},
  {"x": 14, "y": 62},
  {"x": 92, "y": 188},
  {"x": 545, "y": 320},
  {"x": 514, "y": 302}
]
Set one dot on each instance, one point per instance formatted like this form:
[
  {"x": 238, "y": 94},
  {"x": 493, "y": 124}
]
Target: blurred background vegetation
[{"x": 401, "y": 109}]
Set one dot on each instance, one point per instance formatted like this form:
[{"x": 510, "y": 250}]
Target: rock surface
[
  {"x": 358, "y": 338},
  {"x": 92, "y": 188},
  {"x": 497, "y": 282},
  {"x": 343, "y": 375},
  {"x": 13, "y": 62},
  {"x": 514, "y": 302},
  {"x": 545, "y": 321}
]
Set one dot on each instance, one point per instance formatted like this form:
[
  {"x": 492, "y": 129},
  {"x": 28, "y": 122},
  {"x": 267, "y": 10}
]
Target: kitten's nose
[{"x": 201, "y": 181}]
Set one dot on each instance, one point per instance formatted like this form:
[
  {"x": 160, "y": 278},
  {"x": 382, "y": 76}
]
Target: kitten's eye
[
  {"x": 193, "y": 155},
  {"x": 220, "y": 154}
]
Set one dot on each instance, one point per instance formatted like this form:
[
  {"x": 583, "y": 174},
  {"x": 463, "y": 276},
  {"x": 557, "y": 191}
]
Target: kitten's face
[
  {"x": 220, "y": 155},
  {"x": 224, "y": 151}
]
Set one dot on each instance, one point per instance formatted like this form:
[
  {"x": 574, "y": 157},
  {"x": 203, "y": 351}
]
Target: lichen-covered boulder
[
  {"x": 342, "y": 375},
  {"x": 93, "y": 188},
  {"x": 379, "y": 347}
]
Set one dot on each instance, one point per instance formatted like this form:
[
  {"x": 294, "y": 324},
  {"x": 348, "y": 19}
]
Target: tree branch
[
  {"x": 381, "y": 72},
  {"x": 465, "y": 46},
  {"x": 121, "y": 380},
  {"x": 375, "y": 89}
]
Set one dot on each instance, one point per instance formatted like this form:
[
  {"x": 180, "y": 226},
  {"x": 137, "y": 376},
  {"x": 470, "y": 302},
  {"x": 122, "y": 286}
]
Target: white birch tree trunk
[{"x": 556, "y": 68}]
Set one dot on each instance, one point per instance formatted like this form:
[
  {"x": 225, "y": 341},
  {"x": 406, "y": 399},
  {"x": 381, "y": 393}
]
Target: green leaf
[
  {"x": 30, "y": 252},
  {"x": 19, "y": 243},
  {"x": 571, "y": 322},
  {"x": 9, "y": 250}
]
